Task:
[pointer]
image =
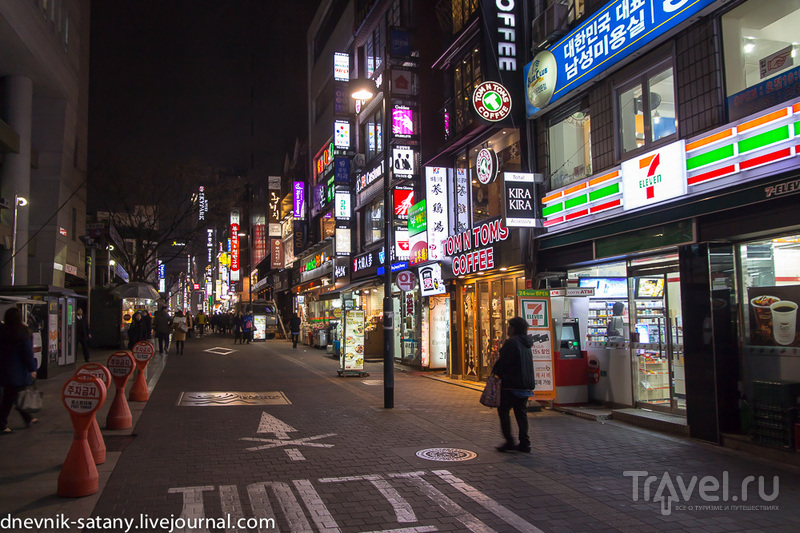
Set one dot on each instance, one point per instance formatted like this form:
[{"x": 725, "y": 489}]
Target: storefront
[
  {"x": 485, "y": 264},
  {"x": 313, "y": 308}
]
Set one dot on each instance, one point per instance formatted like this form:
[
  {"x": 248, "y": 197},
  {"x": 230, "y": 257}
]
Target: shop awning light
[{"x": 363, "y": 89}]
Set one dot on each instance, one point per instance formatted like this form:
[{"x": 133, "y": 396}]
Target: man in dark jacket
[
  {"x": 136, "y": 331},
  {"x": 294, "y": 328},
  {"x": 162, "y": 324},
  {"x": 17, "y": 365},
  {"x": 82, "y": 333},
  {"x": 515, "y": 369}
]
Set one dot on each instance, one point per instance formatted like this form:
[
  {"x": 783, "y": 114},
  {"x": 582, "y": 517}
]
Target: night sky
[{"x": 171, "y": 82}]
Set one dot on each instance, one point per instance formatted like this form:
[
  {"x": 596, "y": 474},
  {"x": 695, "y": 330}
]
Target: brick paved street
[{"x": 332, "y": 459}]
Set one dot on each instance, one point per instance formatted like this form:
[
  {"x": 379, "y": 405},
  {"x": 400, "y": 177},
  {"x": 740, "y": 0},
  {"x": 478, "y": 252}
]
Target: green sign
[
  {"x": 417, "y": 219},
  {"x": 538, "y": 293}
]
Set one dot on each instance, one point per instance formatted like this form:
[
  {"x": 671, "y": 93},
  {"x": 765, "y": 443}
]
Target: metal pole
[
  {"x": 388, "y": 308},
  {"x": 14, "y": 241}
]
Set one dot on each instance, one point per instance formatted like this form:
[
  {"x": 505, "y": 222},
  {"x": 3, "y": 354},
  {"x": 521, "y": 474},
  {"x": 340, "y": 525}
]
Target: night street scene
[{"x": 399, "y": 266}]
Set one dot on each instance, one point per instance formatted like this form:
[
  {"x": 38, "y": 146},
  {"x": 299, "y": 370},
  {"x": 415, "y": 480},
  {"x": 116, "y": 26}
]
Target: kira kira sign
[{"x": 519, "y": 200}]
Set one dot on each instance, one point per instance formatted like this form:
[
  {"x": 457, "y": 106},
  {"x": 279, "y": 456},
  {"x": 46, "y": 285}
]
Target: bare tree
[{"x": 155, "y": 208}]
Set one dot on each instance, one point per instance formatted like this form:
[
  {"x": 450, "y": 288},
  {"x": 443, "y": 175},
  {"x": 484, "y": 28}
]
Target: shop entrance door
[{"x": 656, "y": 328}]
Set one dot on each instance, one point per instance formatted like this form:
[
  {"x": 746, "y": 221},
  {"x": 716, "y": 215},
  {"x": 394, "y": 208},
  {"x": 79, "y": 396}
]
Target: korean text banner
[{"x": 618, "y": 29}]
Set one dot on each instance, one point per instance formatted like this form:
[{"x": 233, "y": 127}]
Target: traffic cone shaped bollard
[
  {"x": 142, "y": 352},
  {"x": 82, "y": 396},
  {"x": 121, "y": 365},
  {"x": 95, "y": 437}
]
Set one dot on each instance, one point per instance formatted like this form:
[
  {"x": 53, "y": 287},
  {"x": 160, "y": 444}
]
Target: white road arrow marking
[{"x": 270, "y": 424}]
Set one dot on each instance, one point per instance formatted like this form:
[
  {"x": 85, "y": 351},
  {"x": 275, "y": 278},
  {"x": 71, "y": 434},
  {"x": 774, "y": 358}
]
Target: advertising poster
[
  {"x": 772, "y": 315},
  {"x": 439, "y": 318},
  {"x": 260, "y": 325},
  {"x": 352, "y": 358},
  {"x": 535, "y": 309}
]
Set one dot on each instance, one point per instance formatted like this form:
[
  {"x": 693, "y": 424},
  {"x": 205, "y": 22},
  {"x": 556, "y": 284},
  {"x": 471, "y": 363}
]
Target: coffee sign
[
  {"x": 491, "y": 101},
  {"x": 473, "y": 251},
  {"x": 486, "y": 164}
]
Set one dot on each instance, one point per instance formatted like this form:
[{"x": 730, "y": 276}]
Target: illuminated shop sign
[
  {"x": 402, "y": 121},
  {"x": 202, "y": 203},
  {"x": 519, "y": 200},
  {"x": 403, "y": 200},
  {"x": 403, "y": 161},
  {"x": 343, "y": 208},
  {"x": 614, "y": 32},
  {"x": 298, "y": 199},
  {"x": 341, "y": 134},
  {"x": 491, "y": 101},
  {"x": 486, "y": 166},
  {"x": 367, "y": 178},
  {"x": 503, "y": 51},
  {"x": 473, "y": 251},
  {"x": 341, "y": 66},
  {"x": 654, "y": 177},
  {"x": 341, "y": 169},
  {"x": 323, "y": 162},
  {"x": 234, "y": 245},
  {"x": 430, "y": 280},
  {"x": 436, "y": 211},
  {"x": 401, "y": 246}
]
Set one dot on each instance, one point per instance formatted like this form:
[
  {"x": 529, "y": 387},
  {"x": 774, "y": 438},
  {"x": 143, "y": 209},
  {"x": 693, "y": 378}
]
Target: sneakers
[
  {"x": 6, "y": 430},
  {"x": 524, "y": 447},
  {"x": 507, "y": 447}
]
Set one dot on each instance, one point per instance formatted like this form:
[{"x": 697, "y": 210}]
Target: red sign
[
  {"x": 96, "y": 370},
  {"x": 83, "y": 394},
  {"x": 142, "y": 352},
  {"x": 403, "y": 200},
  {"x": 121, "y": 364},
  {"x": 406, "y": 280},
  {"x": 259, "y": 243},
  {"x": 234, "y": 247},
  {"x": 473, "y": 251},
  {"x": 276, "y": 248}
]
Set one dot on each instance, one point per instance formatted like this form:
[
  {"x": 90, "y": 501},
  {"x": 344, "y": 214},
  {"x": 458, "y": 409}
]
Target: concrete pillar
[{"x": 15, "y": 172}]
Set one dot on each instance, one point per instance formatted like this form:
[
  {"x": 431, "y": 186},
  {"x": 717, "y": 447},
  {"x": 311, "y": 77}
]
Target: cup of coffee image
[
  {"x": 784, "y": 320},
  {"x": 763, "y": 313}
]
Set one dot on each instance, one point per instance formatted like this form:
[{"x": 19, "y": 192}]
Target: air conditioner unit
[{"x": 550, "y": 25}]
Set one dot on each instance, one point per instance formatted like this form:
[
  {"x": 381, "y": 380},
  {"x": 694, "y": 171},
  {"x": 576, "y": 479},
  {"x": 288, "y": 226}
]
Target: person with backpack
[
  {"x": 514, "y": 367},
  {"x": 247, "y": 327}
]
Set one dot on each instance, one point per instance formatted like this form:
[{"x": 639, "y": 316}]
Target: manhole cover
[
  {"x": 372, "y": 382},
  {"x": 446, "y": 454},
  {"x": 206, "y": 399}
]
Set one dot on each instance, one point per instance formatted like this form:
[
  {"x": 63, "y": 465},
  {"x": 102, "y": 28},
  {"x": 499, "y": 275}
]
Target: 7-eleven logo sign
[
  {"x": 535, "y": 313},
  {"x": 654, "y": 177},
  {"x": 649, "y": 183}
]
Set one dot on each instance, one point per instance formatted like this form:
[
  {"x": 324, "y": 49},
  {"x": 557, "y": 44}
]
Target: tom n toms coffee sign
[
  {"x": 519, "y": 200},
  {"x": 491, "y": 101},
  {"x": 473, "y": 251},
  {"x": 503, "y": 49},
  {"x": 486, "y": 165}
]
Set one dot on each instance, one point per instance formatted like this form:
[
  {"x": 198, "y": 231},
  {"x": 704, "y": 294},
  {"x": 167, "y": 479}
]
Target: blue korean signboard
[
  {"x": 617, "y": 30},
  {"x": 341, "y": 170}
]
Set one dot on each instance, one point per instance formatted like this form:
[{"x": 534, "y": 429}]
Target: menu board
[
  {"x": 352, "y": 358},
  {"x": 260, "y": 325}
]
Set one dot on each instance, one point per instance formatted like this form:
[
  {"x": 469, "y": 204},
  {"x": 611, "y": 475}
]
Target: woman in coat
[
  {"x": 178, "y": 334},
  {"x": 17, "y": 365},
  {"x": 137, "y": 331}
]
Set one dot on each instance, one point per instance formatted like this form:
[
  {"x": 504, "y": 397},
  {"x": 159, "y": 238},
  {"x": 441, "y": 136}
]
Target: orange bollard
[
  {"x": 82, "y": 396},
  {"x": 121, "y": 365},
  {"x": 142, "y": 352},
  {"x": 96, "y": 442}
]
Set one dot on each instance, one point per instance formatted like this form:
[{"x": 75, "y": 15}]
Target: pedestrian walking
[
  {"x": 201, "y": 323},
  {"x": 17, "y": 365},
  {"x": 294, "y": 328},
  {"x": 180, "y": 328},
  {"x": 162, "y": 324},
  {"x": 82, "y": 334},
  {"x": 237, "y": 329},
  {"x": 247, "y": 327},
  {"x": 515, "y": 368},
  {"x": 137, "y": 330},
  {"x": 189, "y": 323}
]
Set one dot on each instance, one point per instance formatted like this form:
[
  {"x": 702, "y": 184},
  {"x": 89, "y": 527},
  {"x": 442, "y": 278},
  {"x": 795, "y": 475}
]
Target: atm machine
[{"x": 570, "y": 317}]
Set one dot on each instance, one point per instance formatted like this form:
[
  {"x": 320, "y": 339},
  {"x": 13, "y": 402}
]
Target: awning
[
  {"x": 21, "y": 300},
  {"x": 347, "y": 288}
]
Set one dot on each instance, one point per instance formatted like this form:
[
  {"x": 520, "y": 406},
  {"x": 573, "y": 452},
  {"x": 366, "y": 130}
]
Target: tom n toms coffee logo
[
  {"x": 486, "y": 165},
  {"x": 491, "y": 101},
  {"x": 541, "y": 81}
]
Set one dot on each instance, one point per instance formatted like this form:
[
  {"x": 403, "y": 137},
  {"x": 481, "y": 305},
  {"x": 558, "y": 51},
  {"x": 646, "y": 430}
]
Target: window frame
[
  {"x": 581, "y": 105},
  {"x": 641, "y": 80}
]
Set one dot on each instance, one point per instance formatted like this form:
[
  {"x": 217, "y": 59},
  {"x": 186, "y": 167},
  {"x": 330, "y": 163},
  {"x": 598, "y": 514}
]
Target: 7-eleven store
[{"x": 688, "y": 238}]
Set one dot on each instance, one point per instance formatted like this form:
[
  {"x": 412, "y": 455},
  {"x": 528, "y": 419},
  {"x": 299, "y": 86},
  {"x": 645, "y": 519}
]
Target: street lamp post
[
  {"x": 365, "y": 89},
  {"x": 19, "y": 201}
]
